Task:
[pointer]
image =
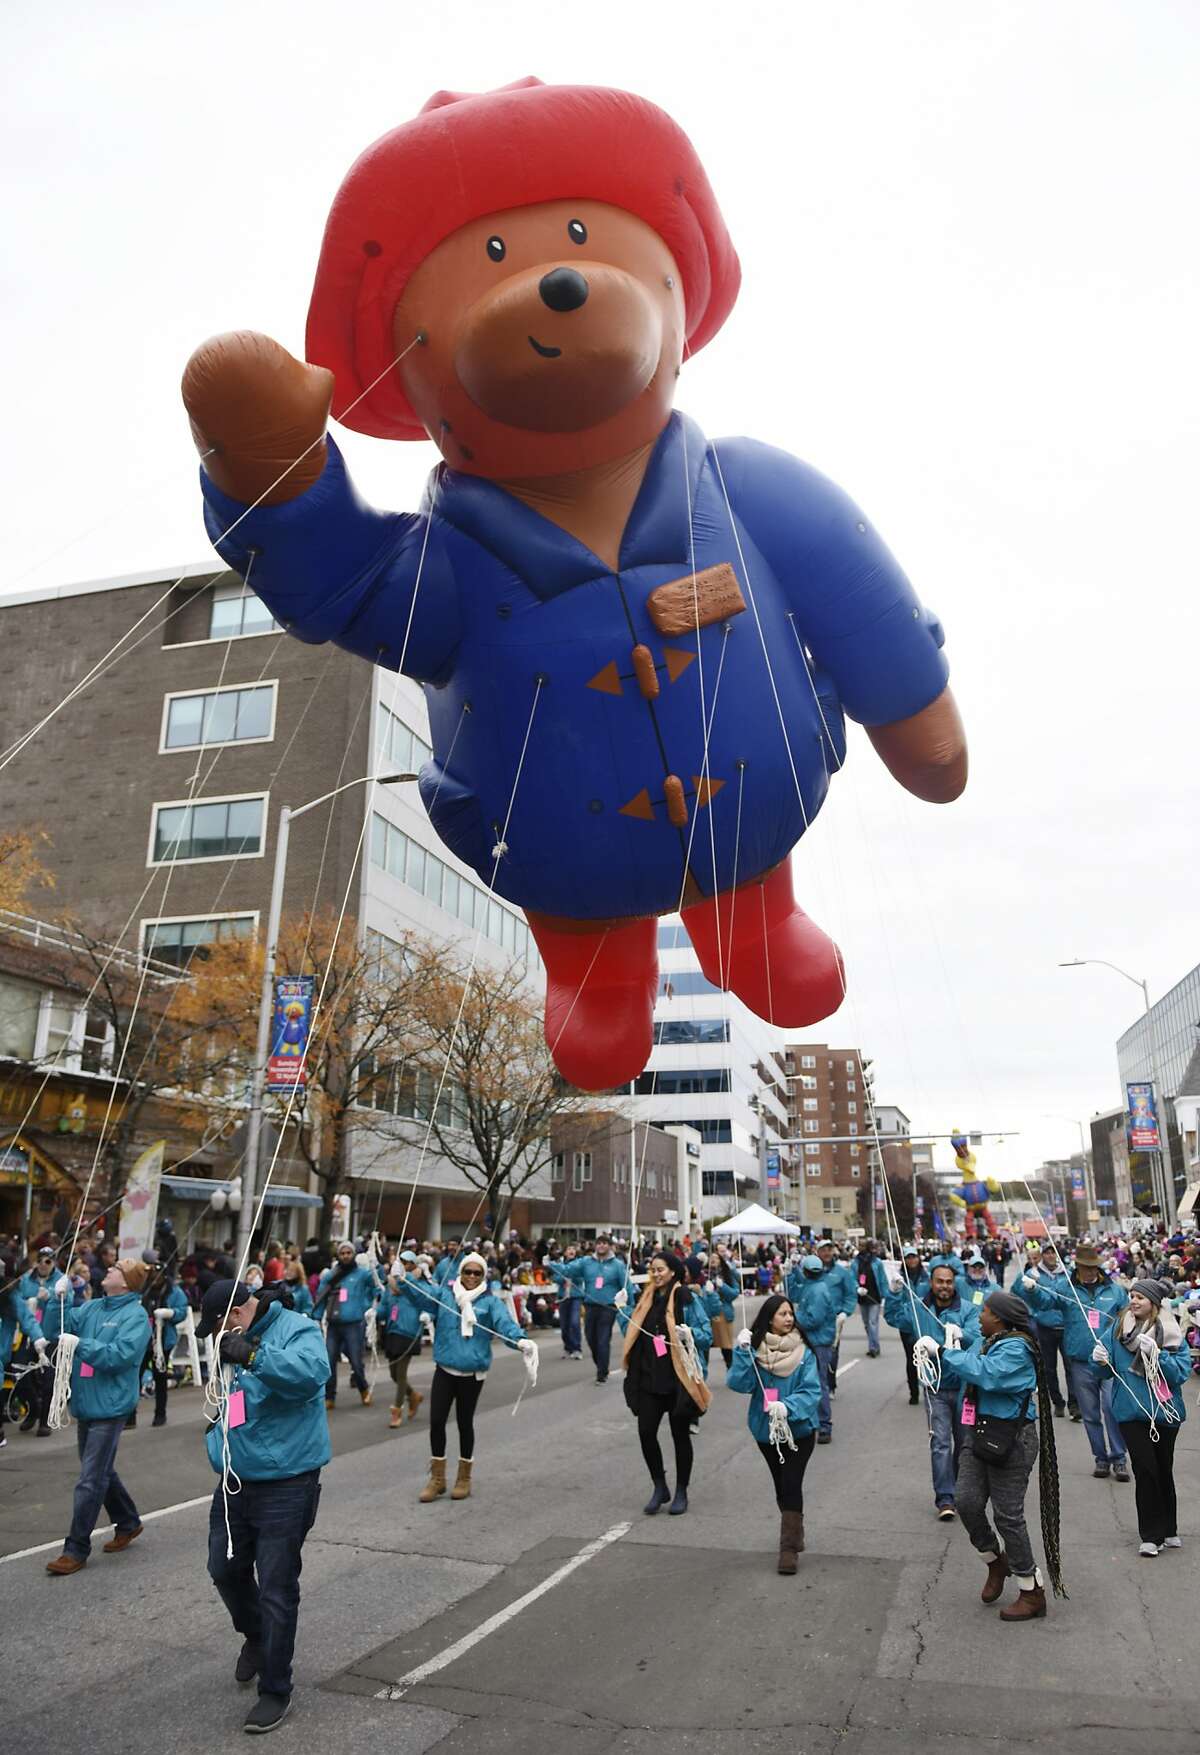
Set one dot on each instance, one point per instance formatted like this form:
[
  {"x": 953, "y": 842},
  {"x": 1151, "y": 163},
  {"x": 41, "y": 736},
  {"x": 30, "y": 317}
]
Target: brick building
[
  {"x": 597, "y": 1159},
  {"x": 829, "y": 1101}
]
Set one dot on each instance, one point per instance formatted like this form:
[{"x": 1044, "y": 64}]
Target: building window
[
  {"x": 851, "y": 1066},
  {"x": 830, "y": 1204},
  {"x": 651, "y": 1179},
  {"x": 850, "y": 1085},
  {"x": 855, "y": 1169},
  {"x": 713, "y": 1133},
  {"x": 581, "y": 1170},
  {"x": 683, "y": 1083},
  {"x": 808, "y": 1082},
  {"x": 20, "y": 1005},
  {"x": 808, "y": 1060},
  {"x": 178, "y": 941},
  {"x": 853, "y": 1108},
  {"x": 813, "y": 1169},
  {"x": 811, "y": 1151},
  {"x": 400, "y": 748},
  {"x": 852, "y": 1127},
  {"x": 218, "y": 716},
  {"x": 558, "y": 1165},
  {"x": 810, "y": 1103},
  {"x": 855, "y": 1150},
  {"x": 812, "y": 1127},
  {"x": 409, "y": 863},
  {"x": 674, "y": 983},
  {"x": 680, "y": 1032},
  {"x": 222, "y": 828},
  {"x": 236, "y": 611}
]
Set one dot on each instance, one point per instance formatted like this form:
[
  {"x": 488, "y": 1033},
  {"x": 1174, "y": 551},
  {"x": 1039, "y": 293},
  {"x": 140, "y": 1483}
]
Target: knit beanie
[
  {"x": 134, "y": 1273},
  {"x": 1152, "y": 1289}
]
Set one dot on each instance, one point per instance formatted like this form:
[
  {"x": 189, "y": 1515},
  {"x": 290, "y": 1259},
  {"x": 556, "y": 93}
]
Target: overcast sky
[{"x": 969, "y": 241}]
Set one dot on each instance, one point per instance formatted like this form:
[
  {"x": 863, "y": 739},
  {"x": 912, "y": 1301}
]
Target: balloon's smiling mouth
[{"x": 547, "y": 353}]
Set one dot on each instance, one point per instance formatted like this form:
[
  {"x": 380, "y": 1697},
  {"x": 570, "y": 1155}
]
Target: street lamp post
[
  {"x": 1166, "y": 1173},
  {"x": 258, "y": 1077}
]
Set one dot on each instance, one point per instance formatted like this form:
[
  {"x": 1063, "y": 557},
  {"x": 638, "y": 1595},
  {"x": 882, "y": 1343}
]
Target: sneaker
[
  {"x": 1120, "y": 1471},
  {"x": 1173, "y": 1542},
  {"x": 268, "y": 1711},
  {"x": 1149, "y": 1550},
  {"x": 824, "y": 1437},
  {"x": 1073, "y": 1410},
  {"x": 1059, "y": 1411},
  {"x": 1100, "y": 1472},
  {"x": 946, "y": 1513},
  {"x": 249, "y": 1662}
]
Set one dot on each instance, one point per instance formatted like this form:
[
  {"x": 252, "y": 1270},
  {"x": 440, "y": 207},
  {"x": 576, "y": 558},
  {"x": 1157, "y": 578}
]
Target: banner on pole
[
  {"x": 1077, "y": 1188},
  {"x": 1143, "y": 1119},
  {"x": 290, "y": 1021},
  {"x": 139, "y": 1205},
  {"x": 773, "y": 1170}
]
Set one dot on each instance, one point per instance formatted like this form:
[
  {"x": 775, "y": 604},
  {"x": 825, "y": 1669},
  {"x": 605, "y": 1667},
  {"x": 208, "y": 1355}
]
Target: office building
[
  {"x": 1168, "y": 1033},
  {"x": 1112, "y": 1166},
  {"x": 601, "y": 1160}
]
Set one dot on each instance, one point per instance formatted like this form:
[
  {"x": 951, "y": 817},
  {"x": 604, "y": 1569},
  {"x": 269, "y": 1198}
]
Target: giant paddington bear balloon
[{"x": 636, "y": 645}]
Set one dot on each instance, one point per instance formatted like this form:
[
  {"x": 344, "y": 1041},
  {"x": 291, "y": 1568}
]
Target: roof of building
[
  {"x": 157, "y": 576},
  {"x": 1189, "y": 1084}
]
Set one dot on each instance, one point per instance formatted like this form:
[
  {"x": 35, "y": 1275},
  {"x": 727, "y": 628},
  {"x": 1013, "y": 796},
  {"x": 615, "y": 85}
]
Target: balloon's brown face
[{"x": 551, "y": 339}]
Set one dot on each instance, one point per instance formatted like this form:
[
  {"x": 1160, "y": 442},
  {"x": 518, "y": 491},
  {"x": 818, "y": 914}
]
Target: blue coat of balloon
[{"x": 517, "y": 629}]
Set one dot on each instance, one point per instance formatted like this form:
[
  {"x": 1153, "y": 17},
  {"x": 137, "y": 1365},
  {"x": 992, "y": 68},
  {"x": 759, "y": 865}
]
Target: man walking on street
[
  {"x": 277, "y": 1432},
  {"x": 345, "y": 1293},
  {"x": 602, "y": 1279},
  {"x": 113, "y": 1331},
  {"x": 871, "y": 1289}
]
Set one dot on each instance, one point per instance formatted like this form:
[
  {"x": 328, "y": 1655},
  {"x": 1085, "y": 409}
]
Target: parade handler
[
  {"x": 278, "y": 1436},
  {"x": 113, "y": 1332}
]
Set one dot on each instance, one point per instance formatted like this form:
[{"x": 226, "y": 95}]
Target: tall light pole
[
  {"x": 258, "y": 1076},
  {"x": 1089, "y": 1186},
  {"x": 1165, "y": 1170}
]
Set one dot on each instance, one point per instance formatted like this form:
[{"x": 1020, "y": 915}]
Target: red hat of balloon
[{"x": 469, "y": 154}]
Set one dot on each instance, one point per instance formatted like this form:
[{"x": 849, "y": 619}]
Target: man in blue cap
[{"x": 273, "y": 1434}]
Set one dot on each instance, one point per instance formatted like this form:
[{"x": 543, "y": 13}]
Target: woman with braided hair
[{"x": 1003, "y": 1374}]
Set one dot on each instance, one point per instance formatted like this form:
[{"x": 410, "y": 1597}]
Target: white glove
[
  {"x": 862, "y": 1291},
  {"x": 926, "y": 1344},
  {"x": 362, "y": 1260},
  {"x": 839, "y": 1324},
  {"x": 427, "y": 1323},
  {"x": 954, "y": 1336},
  {"x": 166, "y": 1313},
  {"x": 743, "y": 1338},
  {"x": 895, "y": 1285},
  {"x": 621, "y": 1299},
  {"x": 526, "y": 1347},
  {"x": 1148, "y": 1345},
  {"x": 32, "y": 1303},
  {"x": 1100, "y": 1353},
  {"x": 43, "y": 1294},
  {"x": 1029, "y": 1281},
  {"x": 62, "y": 1287},
  {"x": 39, "y": 1347}
]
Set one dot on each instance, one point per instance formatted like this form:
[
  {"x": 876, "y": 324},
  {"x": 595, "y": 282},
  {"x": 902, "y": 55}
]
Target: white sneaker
[
  {"x": 1173, "y": 1542},
  {"x": 1150, "y": 1550}
]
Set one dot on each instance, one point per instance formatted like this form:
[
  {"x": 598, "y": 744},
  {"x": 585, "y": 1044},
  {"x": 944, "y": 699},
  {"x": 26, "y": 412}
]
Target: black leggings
[
  {"x": 461, "y": 1394},
  {"x": 1154, "y": 1479},
  {"x": 650, "y": 1417},
  {"x": 910, "y": 1369},
  {"x": 788, "y": 1475}
]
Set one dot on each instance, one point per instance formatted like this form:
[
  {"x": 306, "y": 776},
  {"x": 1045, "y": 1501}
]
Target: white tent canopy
[{"x": 756, "y": 1221}]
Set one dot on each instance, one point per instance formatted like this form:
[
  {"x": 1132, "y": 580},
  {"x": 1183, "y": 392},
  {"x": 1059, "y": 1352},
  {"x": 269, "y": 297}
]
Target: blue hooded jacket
[
  {"x": 468, "y": 1355},
  {"x": 599, "y": 1281},
  {"x": 1132, "y": 1397},
  {"x": 800, "y": 1392},
  {"x": 898, "y": 1306},
  {"x": 1106, "y": 1298},
  {"x": 286, "y": 1429},
  {"x": 1049, "y": 1312},
  {"x": 402, "y": 1307},
  {"x": 114, "y": 1333},
  {"x": 355, "y": 1293},
  {"x": 818, "y": 1303},
  {"x": 1005, "y": 1376}
]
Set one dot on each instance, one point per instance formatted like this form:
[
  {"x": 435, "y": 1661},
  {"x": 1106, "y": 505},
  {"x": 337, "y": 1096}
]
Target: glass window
[
  {"x": 850, "y": 1066},
  {"x": 813, "y": 1169},
  {"x": 433, "y": 879},
  {"x": 416, "y": 866},
  {"x": 850, "y": 1085},
  {"x": 808, "y": 1060},
  {"x": 237, "y": 611},
  {"x": 676, "y": 1031},
  {"x": 208, "y": 831},
  {"x": 808, "y": 1083},
  {"x": 219, "y": 716},
  {"x": 508, "y": 937},
  {"x": 855, "y": 1150},
  {"x": 60, "y": 1026},
  {"x": 669, "y": 937},
  {"x": 852, "y": 1127},
  {"x": 495, "y": 914},
  {"x": 812, "y": 1127},
  {"x": 177, "y": 941},
  {"x": 450, "y": 882},
  {"x": 379, "y": 835},
  {"x": 853, "y": 1108}
]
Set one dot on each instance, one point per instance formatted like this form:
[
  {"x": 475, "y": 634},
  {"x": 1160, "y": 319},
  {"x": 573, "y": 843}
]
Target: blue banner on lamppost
[
  {"x": 290, "y": 1021},
  {"x": 1143, "y": 1119}
]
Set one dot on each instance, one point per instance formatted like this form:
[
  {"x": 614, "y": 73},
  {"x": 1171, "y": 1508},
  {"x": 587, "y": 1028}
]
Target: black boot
[
  {"x": 657, "y": 1499},
  {"x": 678, "y": 1505}
]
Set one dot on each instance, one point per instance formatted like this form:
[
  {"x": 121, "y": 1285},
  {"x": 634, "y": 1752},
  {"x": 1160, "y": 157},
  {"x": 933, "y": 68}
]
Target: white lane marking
[
  {"x": 848, "y": 1366},
  {"x": 147, "y": 1517},
  {"x": 397, "y": 1690}
]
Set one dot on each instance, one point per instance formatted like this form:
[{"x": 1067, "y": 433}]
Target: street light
[
  {"x": 1089, "y": 1188},
  {"x": 1166, "y": 1172},
  {"x": 258, "y": 1077}
]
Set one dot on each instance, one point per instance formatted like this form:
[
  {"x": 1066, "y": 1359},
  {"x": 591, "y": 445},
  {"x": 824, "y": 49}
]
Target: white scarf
[
  {"x": 466, "y": 1300},
  {"x": 780, "y": 1354}
]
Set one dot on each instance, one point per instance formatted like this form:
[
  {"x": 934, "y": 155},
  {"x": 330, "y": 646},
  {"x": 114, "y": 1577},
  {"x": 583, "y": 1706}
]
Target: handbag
[
  {"x": 993, "y": 1437},
  {"x": 401, "y": 1346}
]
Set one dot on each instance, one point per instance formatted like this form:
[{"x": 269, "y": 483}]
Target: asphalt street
[{"x": 547, "y": 1612}]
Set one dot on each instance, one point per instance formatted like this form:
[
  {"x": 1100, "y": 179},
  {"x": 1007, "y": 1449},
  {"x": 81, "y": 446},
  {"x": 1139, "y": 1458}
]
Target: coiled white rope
[
  {"x": 187, "y": 1329},
  {"x": 160, "y": 1358},
  {"x": 60, "y": 1395},
  {"x": 687, "y": 1347},
  {"x": 781, "y": 1431}
]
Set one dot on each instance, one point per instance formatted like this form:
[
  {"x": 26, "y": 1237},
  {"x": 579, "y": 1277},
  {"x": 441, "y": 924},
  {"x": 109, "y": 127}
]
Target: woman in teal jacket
[
  {"x": 1003, "y": 1377},
  {"x": 772, "y": 1365},
  {"x": 400, "y": 1319},
  {"x": 818, "y": 1300},
  {"x": 467, "y": 1318},
  {"x": 297, "y": 1289},
  {"x": 1150, "y": 1362},
  {"x": 725, "y": 1282}
]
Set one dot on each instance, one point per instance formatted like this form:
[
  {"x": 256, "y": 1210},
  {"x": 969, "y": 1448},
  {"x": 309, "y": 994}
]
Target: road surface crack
[{"x": 926, "y": 1608}]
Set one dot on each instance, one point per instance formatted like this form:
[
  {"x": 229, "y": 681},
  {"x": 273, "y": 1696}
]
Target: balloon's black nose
[{"x": 563, "y": 289}]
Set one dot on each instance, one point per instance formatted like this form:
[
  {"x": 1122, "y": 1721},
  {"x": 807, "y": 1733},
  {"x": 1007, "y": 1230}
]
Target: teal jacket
[
  {"x": 1049, "y": 1313},
  {"x": 840, "y": 1275},
  {"x": 173, "y": 1299},
  {"x": 106, "y": 1372},
  {"x": 454, "y": 1351},
  {"x": 301, "y": 1297},
  {"x": 932, "y": 1321},
  {"x": 860, "y": 1277},
  {"x": 817, "y": 1303},
  {"x": 447, "y": 1268},
  {"x": 361, "y": 1291},
  {"x": 1132, "y": 1397},
  {"x": 599, "y": 1281},
  {"x": 39, "y": 1306},
  {"x": 975, "y": 1292},
  {"x": 286, "y": 1430},
  {"x": 728, "y": 1294},
  {"x": 946, "y": 1258},
  {"x": 1079, "y": 1335},
  {"x": 800, "y": 1392},
  {"x": 898, "y": 1306},
  {"x": 568, "y": 1286},
  {"x": 8, "y": 1324},
  {"x": 1004, "y": 1375},
  {"x": 401, "y": 1308}
]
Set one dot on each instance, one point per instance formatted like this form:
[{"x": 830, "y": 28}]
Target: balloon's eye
[
  {"x": 577, "y": 231},
  {"x": 495, "y": 249}
]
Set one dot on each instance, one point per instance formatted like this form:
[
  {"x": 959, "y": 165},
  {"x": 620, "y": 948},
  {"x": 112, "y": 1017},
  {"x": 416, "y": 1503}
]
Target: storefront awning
[{"x": 202, "y": 1188}]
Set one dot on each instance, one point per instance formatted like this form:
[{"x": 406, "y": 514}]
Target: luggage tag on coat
[
  {"x": 237, "y": 1409},
  {"x": 660, "y": 1346},
  {"x": 862, "y": 1279},
  {"x": 977, "y": 1297},
  {"x": 1093, "y": 1317},
  {"x": 769, "y": 1396},
  {"x": 395, "y": 1313},
  {"x": 1162, "y": 1390},
  {"x": 342, "y": 1294},
  {"x": 599, "y": 1282},
  {"x": 968, "y": 1413},
  {"x": 85, "y": 1370}
]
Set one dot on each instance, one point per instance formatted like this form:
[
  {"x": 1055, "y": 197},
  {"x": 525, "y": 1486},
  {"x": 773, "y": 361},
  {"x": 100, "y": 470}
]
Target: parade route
[{"x": 675, "y": 1626}]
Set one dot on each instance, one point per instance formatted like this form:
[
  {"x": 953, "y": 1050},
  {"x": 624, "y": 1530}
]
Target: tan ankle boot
[
  {"x": 397, "y": 1418},
  {"x": 435, "y": 1486},
  {"x": 415, "y": 1398},
  {"x": 462, "y": 1485}
]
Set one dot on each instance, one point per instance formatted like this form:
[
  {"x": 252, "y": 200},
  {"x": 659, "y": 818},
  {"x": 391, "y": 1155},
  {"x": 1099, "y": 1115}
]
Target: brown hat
[
  {"x": 1086, "y": 1256},
  {"x": 134, "y": 1273}
]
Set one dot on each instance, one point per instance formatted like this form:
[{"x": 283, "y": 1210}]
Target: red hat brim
[{"x": 467, "y": 155}]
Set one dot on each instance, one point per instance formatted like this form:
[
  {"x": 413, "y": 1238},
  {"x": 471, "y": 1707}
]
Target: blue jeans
[
  {"x": 99, "y": 1484},
  {"x": 598, "y": 1324},
  {"x": 269, "y": 1521},
  {"x": 349, "y": 1338},
  {"x": 824, "y": 1358},
  {"x": 945, "y": 1442},
  {"x": 1094, "y": 1400},
  {"x": 568, "y": 1322},
  {"x": 870, "y": 1315}
]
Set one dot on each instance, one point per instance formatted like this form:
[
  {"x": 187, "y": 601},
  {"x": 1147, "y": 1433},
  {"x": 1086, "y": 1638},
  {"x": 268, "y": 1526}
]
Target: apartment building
[{"x": 829, "y": 1120}]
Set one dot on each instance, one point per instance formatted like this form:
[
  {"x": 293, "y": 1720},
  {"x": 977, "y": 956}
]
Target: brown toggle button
[
  {"x": 643, "y": 669},
  {"x": 676, "y": 803}
]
